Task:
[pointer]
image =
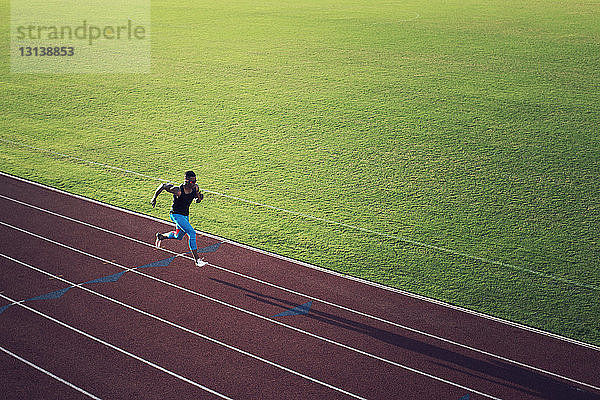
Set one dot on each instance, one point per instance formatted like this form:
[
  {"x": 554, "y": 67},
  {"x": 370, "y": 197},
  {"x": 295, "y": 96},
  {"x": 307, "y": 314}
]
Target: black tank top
[{"x": 181, "y": 204}]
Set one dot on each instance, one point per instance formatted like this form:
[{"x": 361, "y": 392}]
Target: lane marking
[
  {"x": 112, "y": 346},
  {"x": 307, "y": 265},
  {"x": 404, "y": 327},
  {"x": 50, "y": 374},
  {"x": 302, "y": 309},
  {"x": 328, "y": 221},
  {"x": 341, "y": 345},
  {"x": 187, "y": 330}
]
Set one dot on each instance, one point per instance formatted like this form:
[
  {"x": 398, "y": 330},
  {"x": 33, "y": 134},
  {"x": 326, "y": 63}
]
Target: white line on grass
[
  {"x": 486, "y": 353},
  {"x": 50, "y": 374},
  {"x": 327, "y": 221},
  {"x": 270, "y": 320},
  {"x": 112, "y": 346}
]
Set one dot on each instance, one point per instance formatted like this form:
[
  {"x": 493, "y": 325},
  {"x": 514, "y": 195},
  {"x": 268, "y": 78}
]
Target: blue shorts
[{"x": 182, "y": 226}]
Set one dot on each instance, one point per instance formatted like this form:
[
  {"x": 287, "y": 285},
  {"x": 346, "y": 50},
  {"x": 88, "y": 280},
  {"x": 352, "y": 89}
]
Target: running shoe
[
  {"x": 200, "y": 262},
  {"x": 159, "y": 238}
]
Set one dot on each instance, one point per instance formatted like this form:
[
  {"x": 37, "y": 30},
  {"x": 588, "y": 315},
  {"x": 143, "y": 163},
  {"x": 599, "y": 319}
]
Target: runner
[{"x": 183, "y": 196}]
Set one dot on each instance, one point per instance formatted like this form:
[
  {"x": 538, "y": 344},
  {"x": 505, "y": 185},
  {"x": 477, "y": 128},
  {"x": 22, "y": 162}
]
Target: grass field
[{"x": 467, "y": 125}]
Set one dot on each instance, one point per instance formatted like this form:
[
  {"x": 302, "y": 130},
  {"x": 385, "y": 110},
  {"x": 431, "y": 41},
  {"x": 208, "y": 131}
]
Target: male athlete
[{"x": 180, "y": 210}]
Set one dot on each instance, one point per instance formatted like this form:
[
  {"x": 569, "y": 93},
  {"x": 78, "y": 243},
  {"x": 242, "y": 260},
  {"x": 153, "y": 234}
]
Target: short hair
[{"x": 190, "y": 174}]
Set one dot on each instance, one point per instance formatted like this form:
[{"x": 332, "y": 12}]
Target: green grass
[{"x": 466, "y": 125}]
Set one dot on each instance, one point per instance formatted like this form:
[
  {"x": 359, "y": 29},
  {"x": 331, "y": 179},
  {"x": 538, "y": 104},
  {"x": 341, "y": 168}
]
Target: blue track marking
[
  {"x": 300, "y": 310},
  {"x": 112, "y": 277},
  {"x": 159, "y": 263},
  {"x": 52, "y": 295},
  {"x": 107, "y": 279},
  {"x": 210, "y": 249}
]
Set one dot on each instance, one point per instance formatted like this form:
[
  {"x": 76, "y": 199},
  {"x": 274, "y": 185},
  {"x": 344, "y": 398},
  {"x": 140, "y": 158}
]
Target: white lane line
[
  {"x": 50, "y": 374},
  {"x": 187, "y": 330},
  {"x": 407, "y": 328},
  {"x": 270, "y": 320},
  {"x": 330, "y": 222},
  {"x": 112, "y": 346},
  {"x": 307, "y": 265}
]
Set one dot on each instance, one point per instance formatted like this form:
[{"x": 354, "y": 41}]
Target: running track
[{"x": 174, "y": 331}]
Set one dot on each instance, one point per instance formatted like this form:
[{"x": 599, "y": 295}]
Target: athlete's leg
[
  {"x": 183, "y": 226},
  {"x": 178, "y": 233},
  {"x": 183, "y": 223}
]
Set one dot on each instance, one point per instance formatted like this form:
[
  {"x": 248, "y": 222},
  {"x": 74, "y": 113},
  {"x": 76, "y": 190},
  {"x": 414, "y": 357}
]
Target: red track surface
[{"x": 192, "y": 331}]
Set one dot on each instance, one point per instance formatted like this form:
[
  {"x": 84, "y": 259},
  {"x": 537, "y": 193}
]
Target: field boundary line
[
  {"x": 311, "y": 266},
  {"x": 404, "y": 327},
  {"x": 327, "y": 221},
  {"x": 50, "y": 374},
  {"x": 183, "y": 328},
  {"x": 236, "y": 308},
  {"x": 110, "y": 345}
]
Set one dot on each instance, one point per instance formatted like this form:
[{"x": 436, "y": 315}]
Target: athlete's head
[
  {"x": 190, "y": 178},
  {"x": 189, "y": 174}
]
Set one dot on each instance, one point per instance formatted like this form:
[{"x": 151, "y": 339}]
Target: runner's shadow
[{"x": 505, "y": 374}]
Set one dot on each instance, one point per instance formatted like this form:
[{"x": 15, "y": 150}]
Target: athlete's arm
[
  {"x": 169, "y": 187},
  {"x": 199, "y": 196}
]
